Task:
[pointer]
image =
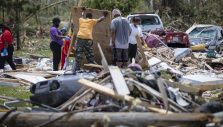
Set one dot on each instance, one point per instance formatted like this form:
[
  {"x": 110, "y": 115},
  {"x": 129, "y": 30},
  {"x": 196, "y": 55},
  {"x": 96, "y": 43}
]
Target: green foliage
[{"x": 126, "y": 6}]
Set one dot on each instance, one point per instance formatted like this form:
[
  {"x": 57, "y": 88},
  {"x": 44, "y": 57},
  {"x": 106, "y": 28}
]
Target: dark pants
[
  {"x": 132, "y": 51},
  {"x": 84, "y": 46},
  {"x": 8, "y": 59},
  {"x": 56, "y": 49}
]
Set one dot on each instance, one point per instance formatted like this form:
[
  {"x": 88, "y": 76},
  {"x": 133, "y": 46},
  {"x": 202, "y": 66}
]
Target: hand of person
[
  {"x": 83, "y": 8},
  {"x": 67, "y": 38},
  {"x": 105, "y": 13},
  {"x": 4, "y": 52}
]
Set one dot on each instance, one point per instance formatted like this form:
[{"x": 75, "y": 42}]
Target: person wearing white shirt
[{"x": 136, "y": 31}]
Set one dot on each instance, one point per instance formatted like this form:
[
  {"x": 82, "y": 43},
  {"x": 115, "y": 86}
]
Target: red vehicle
[
  {"x": 177, "y": 39},
  {"x": 169, "y": 37}
]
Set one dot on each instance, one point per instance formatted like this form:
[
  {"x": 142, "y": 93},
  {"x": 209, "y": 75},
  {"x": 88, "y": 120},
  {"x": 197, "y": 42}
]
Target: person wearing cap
[
  {"x": 136, "y": 31},
  {"x": 84, "y": 38},
  {"x": 6, "y": 47},
  {"x": 56, "y": 43},
  {"x": 120, "y": 31}
]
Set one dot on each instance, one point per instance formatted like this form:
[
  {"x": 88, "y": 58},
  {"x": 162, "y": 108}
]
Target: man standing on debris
[
  {"x": 56, "y": 43},
  {"x": 120, "y": 31},
  {"x": 136, "y": 31},
  {"x": 85, "y": 39},
  {"x": 6, "y": 47}
]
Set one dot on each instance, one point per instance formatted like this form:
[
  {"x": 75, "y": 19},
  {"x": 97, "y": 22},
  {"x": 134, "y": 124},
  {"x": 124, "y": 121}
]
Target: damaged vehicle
[{"x": 209, "y": 35}]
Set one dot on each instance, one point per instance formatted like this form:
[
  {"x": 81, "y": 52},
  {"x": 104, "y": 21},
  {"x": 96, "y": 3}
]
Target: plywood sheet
[{"x": 101, "y": 32}]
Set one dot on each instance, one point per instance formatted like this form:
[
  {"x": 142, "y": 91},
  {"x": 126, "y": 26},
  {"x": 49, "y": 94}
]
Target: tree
[
  {"x": 126, "y": 6},
  {"x": 17, "y": 10}
]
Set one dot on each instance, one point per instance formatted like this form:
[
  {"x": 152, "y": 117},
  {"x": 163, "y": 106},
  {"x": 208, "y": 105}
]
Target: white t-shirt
[{"x": 135, "y": 31}]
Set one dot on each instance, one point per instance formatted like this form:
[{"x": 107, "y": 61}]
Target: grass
[{"x": 17, "y": 92}]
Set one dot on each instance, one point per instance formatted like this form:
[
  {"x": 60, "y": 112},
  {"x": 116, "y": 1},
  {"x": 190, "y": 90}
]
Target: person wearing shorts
[{"x": 120, "y": 31}]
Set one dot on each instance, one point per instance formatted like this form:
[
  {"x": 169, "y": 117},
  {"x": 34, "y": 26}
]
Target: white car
[{"x": 149, "y": 22}]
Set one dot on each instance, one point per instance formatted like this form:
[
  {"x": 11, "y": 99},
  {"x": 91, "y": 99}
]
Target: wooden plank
[
  {"x": 101, "y": 32},
  {"x": 104, "y": 90},
  {"x": 119, "y": 81},
  {"x": 145, "y": 63},
  {"x": 87, "y": 119}
]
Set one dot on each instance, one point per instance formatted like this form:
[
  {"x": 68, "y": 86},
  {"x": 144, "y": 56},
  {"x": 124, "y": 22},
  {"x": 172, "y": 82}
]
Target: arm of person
[
  {"x": 105, "y": 14},
  {"x": 113, "y": 33}
]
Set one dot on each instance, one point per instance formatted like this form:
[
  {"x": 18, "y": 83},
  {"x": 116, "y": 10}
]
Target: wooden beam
[
  {"x": 86, "y": 119},
  {"x": 104, "y": 90}
]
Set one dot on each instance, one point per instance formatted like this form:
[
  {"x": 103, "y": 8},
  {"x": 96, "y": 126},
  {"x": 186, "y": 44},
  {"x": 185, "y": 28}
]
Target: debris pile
[{"x": 175, "y": 82}]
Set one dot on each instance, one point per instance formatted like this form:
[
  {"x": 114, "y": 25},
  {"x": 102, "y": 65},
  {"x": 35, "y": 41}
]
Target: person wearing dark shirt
[
  {"x": 56, "y": 43},
  {"x": 6, "y": 47}
]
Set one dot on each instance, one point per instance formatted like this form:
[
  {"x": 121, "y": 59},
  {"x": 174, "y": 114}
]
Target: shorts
[{"x": 121, "y": 55}]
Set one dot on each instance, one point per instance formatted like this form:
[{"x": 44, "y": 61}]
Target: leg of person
[
  {"x": 124, "y": 56},
  {"x": 114, "y": 60},
  {"x": 56, "y": 49},
  {"x": 119, "y": 57},
  {"x": 79, "y": 52},
  {"x": 9, "y": 58},
  {"x": 88, "y": 51},
  {"x": 134, "y": 50},
  {"x": 2, "y": 62},
  {"x": 130, "y": 52}
]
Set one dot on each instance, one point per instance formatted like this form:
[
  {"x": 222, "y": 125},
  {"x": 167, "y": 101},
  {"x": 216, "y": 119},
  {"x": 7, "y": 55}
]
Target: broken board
[
  {"x": 105, "y": 90},
  {"x": 119, "y": 81},
  {"x": 101, "y": 32}
]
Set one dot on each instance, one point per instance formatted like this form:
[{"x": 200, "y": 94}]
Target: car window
[
  {"x": 149, "y": 20},
  {"x": 203, "y": 32}
]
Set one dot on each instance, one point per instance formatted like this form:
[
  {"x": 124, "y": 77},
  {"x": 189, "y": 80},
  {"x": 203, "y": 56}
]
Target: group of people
[
  {"x": 6, "y": 47},
  {"x": 123, "y": 39}
]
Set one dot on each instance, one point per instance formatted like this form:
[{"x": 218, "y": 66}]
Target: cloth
[
  {"x": 122, "y": 31},
  {"x": 121, "y": 55},
  {"x": 7, "y": 37},
  {"x": 53, "y": 35},
  {"x": 86, "y": 28},
  {"x": 1, "y": 43},
  {"x": 135, "y": 31},
  {"x": 8, "y": 59},
  {"x": 132, "y": 51},
  {"x": 56, "y": 49},
  {"x": 84, "y": 46},
  {"x": 64, "y": 52}
]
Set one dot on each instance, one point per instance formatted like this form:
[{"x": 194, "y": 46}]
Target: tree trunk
[
  {"x": 86, "y": 119},
  {"x": 17, "y": 25}
]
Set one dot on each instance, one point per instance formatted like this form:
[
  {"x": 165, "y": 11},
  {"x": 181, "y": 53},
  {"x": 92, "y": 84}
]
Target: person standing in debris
[
  {"x": 120, "y": 31},
  {"x": 6, "y": 47},
  {"x": 85, "y": 39},
  {"x": 56, "y": 43},
  {"x": 66, "y": 45},
  {"x": 136, "y": 31}
]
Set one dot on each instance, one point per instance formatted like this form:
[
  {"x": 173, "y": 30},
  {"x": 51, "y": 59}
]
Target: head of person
[
  {"x": 56, "y": 21},
  {"x": 89, "y": 16},
  {"x": 136, "y": 20},
  {"x": 64, "y": 31},
  {"x": 116, "y": 13}
]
